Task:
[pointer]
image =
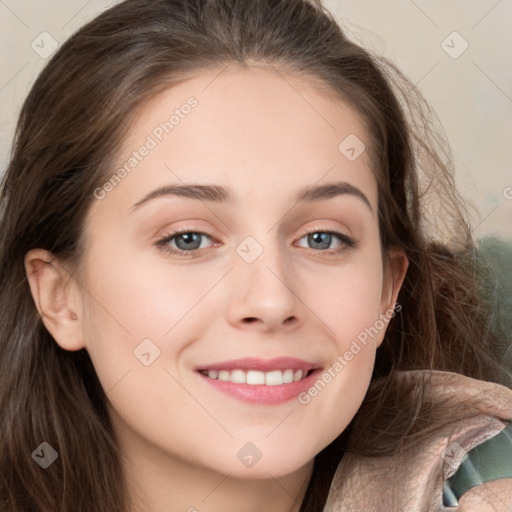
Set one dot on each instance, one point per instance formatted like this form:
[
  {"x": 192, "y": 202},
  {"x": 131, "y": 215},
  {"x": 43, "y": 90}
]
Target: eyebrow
[{"x": 220, "y": 194}]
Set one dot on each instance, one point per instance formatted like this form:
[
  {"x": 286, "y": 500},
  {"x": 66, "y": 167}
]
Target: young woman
[{"x": 221, "y": 288}]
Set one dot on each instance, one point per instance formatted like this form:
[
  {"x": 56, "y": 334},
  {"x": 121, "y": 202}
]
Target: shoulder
[{"x": 414, "y": 480}]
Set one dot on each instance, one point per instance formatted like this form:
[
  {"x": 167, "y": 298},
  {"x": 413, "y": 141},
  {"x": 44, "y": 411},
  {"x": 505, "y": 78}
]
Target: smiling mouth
[{"x": 258, "y": 378}]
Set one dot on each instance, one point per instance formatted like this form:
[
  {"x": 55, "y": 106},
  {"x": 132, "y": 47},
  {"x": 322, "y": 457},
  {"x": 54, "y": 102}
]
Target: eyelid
[
  {"x": 183, "y": 227},
  {"x": 325, "y": 229},
  {"x": 162, "y": 242}
]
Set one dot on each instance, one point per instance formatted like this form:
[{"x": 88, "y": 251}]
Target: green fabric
[{"x": 488, "y": 461}]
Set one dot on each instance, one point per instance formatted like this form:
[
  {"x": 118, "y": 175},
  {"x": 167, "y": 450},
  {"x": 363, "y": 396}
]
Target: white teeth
[
  {"x": 238, "y": 376},
  {"x": 254, "y": 377},
  {"x": 224, "y": 375},
  {"x": 274, "y": 378},
  {"x": 287, "y": 376}
]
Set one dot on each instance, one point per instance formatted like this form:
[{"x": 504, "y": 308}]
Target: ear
[
  {"x": 395, "y": 270},
  {"x": 57, "y": 298}
]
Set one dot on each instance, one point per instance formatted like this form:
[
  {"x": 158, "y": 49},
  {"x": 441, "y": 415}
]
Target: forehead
[{"x": 256, "y": 130}]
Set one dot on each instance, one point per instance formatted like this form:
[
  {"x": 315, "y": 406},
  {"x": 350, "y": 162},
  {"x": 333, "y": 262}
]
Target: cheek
[
  {"x": 138, "y": 301},
  {"x": 135, "y": 309},
  {"x": 351, "y": 308},
  {"x": 136, "y": 333},
  {"x": 349, "y": 298}
]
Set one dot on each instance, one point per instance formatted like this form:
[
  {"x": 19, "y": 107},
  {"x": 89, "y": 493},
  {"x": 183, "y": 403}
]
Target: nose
[{"x": 263, "y": 294}]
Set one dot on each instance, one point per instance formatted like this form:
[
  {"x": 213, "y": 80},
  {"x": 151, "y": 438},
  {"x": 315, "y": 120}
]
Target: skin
[{"x": 265, "y": 135}]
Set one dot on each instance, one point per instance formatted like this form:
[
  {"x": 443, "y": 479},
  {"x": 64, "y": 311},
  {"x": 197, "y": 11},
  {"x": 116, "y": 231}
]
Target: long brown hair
[{"x": 69, "y": 128}]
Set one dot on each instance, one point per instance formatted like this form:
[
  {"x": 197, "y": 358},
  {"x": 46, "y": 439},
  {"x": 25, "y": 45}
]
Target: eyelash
[{"x": 347, "y": 242}]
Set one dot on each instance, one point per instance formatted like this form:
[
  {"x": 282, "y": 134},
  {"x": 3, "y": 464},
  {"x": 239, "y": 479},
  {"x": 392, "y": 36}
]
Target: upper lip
[{"x": 263, "y": 365}]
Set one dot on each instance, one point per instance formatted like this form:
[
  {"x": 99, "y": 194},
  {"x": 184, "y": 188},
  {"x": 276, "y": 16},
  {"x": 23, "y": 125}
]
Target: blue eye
[
  {"x": 186, "y": 241},
  {"x": 323, "y": 239}
]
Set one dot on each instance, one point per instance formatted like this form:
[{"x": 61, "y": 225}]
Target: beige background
[{"x": 472, "y": 93}]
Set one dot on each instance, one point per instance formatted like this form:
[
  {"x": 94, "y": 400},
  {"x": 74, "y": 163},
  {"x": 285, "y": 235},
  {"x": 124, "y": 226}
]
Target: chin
[{"x": 277, "y": 465}]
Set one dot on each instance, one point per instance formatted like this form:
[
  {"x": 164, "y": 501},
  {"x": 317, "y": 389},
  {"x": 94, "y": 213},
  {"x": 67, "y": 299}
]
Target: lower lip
[{"x": 261, "y": 394}]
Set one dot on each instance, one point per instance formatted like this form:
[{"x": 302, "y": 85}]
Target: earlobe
[{"x": 56, "y": 298}]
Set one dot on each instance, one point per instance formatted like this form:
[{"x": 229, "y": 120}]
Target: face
[{"x": 245, "y": 343}]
